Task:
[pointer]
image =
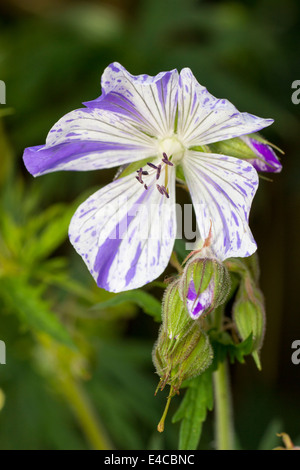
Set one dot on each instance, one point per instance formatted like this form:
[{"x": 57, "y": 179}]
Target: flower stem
[
  {"x": 84, "y": 413},
  {"x": 223, "y": 409}
]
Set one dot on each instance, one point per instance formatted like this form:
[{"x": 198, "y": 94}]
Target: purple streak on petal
[
  {"x": 44, "y": 158},
  {"x": 191, "y": 295},
  {"x": 104, "y": 260},
  {"x": 239, "y": 241},
  {"x": 218, "y": 198},
  {"x": 270, "y": 161},
  {"x": 131, "y": 272},
  {"x": 84, "y": 213},
  {"x": 235, "y": 218},
  {"x": 114, "y": 68},
  {"x": 226, "y": 241},
  {"x": 107, "y": 251},
  {"x": 197, "y": 304},
  {"x": 149, "y": 100},
  {"x": 162, "y": 87},
  {"x": 241, "y": 189},
  {"x": 194, "y": 102},
  {"x": 215, "y": 119},
  {"x": 116, "y": 103}
]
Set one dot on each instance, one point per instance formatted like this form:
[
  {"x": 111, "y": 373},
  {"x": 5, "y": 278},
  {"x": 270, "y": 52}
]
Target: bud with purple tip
[
  {"x": 182, "y": 350},
  {"x": 253, "y": 148},
  {"x": 265, "y": 158},
  {"x": 205, "y": 284}
]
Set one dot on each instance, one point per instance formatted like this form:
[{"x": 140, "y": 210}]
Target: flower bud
[
  {"x": 265, "y": 157},
  {"x": 253, "y": 148},
  {"x": 205, "y": 284},
  {"x": 249, "y": 316},
  {"x": 182, "y": 350},
  {"x": 181, "y": 360},
  {"x": 176, "y": 321}
]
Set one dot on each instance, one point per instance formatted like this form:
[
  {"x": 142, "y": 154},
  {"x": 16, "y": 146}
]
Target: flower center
[{"x": 173, "y": 148}]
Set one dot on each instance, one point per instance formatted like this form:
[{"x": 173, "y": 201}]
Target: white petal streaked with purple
[
  {"x": 150, "y": 101},
  {"x": 89, "y": 139},
  {"x": 204, "y": 119},
  {"x": 222, "y": 189},
  {"x": 124, "y": 233}
]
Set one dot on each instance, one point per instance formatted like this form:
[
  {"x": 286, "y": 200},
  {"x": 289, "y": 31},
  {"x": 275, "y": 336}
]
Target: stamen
[
  {"x": 145, "y": 186},
  {"x": 166, "y": 160},
  {"x": 165, "y": 191},
  {"x": 152, "y": 166},
  {"x": 158, "y": 172},
  {"x": 139, "y": 179},
  {"x": 160, "y": 189}
]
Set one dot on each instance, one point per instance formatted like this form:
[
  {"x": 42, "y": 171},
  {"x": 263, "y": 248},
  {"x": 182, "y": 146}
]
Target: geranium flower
[{"x": 125, "y": 232}]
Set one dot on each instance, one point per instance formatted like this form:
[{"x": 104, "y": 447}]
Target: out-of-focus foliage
[{"x": 78, "y": 358}]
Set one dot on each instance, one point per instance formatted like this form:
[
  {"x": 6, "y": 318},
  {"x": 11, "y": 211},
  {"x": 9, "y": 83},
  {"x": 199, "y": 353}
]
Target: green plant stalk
[
  {"x": 84, "y": 413},
  {"x": 224, "y": 433},
  {"x": 224, "y": 429}
]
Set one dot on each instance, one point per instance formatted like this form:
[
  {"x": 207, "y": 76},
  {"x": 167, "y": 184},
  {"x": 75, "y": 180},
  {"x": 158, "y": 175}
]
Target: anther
[
  {"x": 166, "y": 160},
  {"x": 158, "y": 172},
  {"x": 160, "y": 189},
  {"x": 165, "y": 191},
  {"x": 152, "y": 166},
  {"x": 139, "y": 179},
  {"x": 145, "y": 186}
]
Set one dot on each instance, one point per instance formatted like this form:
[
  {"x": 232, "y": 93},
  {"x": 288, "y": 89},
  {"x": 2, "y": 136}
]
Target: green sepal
[
  {"x": 176, "y": 320},
  {"x": 134, "y": 166},
  {"x": 235, "y": 147},
  {"x": 178, "y": 360},
  {"x": 201, "y": 148},
  {"x": 249, "y": 316}
]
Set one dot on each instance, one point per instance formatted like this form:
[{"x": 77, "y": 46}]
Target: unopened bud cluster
[
  {"x": 249, "y": 315},
  {"x": 183, "y": 350},
  {"x": 248, "y": 310}
]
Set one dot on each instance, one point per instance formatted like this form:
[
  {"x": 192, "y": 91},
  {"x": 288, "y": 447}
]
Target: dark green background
[{"x": 52, "y": 55}]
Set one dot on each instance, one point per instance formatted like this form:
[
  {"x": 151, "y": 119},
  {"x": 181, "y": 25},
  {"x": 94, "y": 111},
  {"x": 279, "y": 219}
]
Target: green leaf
[
  {"x": 192, "y": 411},
  {"x": 223, "y": 345},
  {"x": 46, "y": 231},
  {"x": 147, "y": 302},
  {"x": 34, "y": 313}
]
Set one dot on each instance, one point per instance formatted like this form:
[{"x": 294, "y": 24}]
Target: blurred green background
[{"x": 70, "y": 367}]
